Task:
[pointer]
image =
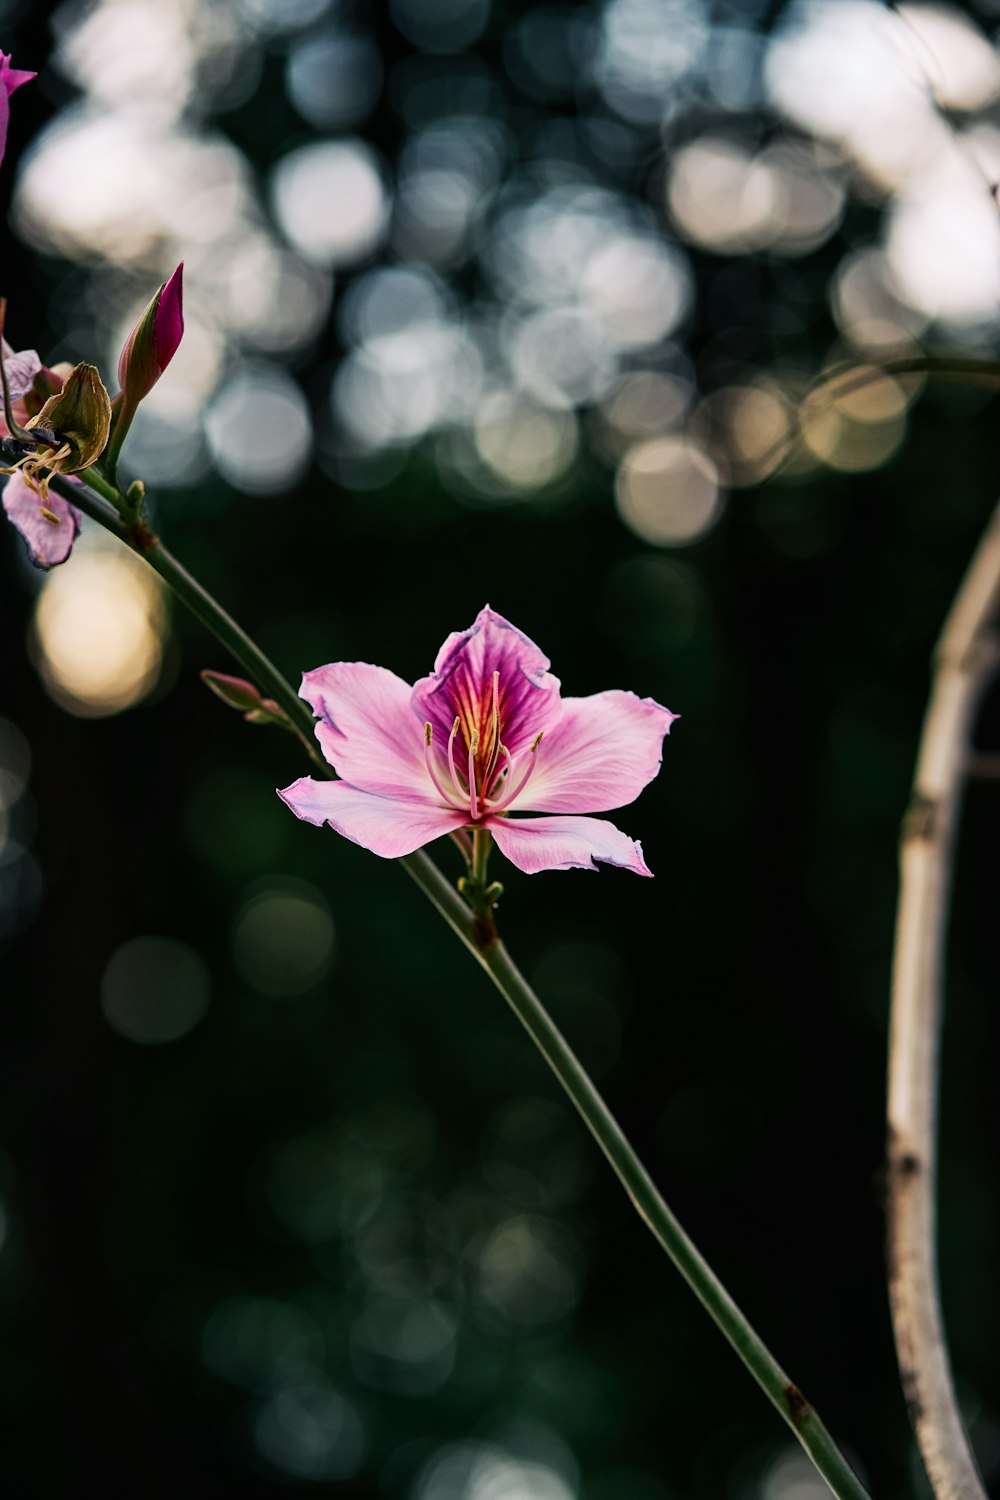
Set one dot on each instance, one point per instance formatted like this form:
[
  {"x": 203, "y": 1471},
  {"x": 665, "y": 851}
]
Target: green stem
[
  {"x": 478, "y": 933},
  {"x": 482, "y": 842},
  {"x": 650, "y": 1205}
]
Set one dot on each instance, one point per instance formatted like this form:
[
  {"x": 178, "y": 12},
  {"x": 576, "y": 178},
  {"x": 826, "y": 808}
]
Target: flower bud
[
  {"x": 10, "y": 79},
  {"x": 242, "y": 695},
  {"x": 235, "y": 691},
  {"x": 153, "y": 342},
  {"x": 77, "y": 419}
]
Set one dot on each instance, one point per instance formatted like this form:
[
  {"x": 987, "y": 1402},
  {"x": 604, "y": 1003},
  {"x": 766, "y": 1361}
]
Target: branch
[
  {"x": 966, "y": 655},
  {"x": 478, "y": 933}
]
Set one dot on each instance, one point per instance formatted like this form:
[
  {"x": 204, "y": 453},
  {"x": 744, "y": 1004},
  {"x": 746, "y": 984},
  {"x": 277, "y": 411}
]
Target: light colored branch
[{"x": 967, "y": 653}]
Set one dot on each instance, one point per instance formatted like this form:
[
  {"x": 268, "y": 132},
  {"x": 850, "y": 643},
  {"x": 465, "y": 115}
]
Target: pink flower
[
  {"x": 49, "y": 524},
  {"x": 10, "y": 79},
  {"x": 484, "y": 738},
  {"x": 21, "y": 369}
]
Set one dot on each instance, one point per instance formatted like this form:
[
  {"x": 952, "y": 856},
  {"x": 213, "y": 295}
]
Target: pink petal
[
  {"x": 599, "y": 754},
  {"x": 21, "y": 369},
  {"x": 387, "y": 826},
  {"x": 10, "y": 79},
  {"x": 535, "y": 844},
  {"x": 462, "y": 685},
  {"x": 168, "y": 323},
  {"x": 48, "y": 542},
  {"x": 367, "y": 729}
]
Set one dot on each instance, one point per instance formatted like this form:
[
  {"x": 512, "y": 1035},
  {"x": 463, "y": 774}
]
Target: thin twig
[{"x": 967, "y": 653}]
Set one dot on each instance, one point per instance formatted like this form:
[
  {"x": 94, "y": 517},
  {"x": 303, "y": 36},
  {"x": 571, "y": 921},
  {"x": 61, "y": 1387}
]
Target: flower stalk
[{"x": 475, "y": 926}]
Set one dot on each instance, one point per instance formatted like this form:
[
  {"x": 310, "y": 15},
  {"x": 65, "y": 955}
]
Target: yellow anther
[
  {"x": 537, "y": 741},
  {"x": 48, "y": 515},
  {"x": 428, "y": 732}
]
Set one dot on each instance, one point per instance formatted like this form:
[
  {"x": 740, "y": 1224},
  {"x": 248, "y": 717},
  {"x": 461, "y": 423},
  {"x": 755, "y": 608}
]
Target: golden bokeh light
[
  {"x": 98, "y": 631},
  {"x": 858, "y": 426},
  {"x": 667, "y": 492},
  {"x": 749, "y": 429}
]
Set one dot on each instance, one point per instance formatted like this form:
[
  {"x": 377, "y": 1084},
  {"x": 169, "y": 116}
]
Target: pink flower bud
[
  {"x": 153, "y": 342},
  {"x": 10, "y": 79}
]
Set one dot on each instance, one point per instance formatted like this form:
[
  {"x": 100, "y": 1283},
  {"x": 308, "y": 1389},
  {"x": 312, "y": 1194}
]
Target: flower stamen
[
  {"x": 432, "y": 771},
  {"x": 509, "y": 796},
  {"x": 473, "y": 751},
  {"x": 451, "y": 757}
]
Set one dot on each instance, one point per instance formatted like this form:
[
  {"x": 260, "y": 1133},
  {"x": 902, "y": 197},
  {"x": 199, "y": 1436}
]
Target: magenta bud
[
  {"x": 153, "y": 341},
  {"x": 235, "y": 691},
  {"x": 10, "y": 80}
]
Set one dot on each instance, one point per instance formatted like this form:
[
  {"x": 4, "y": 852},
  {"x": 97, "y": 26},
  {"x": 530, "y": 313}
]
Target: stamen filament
[
  {"x": 432, "y": 772},
  {"x": 473, "y": 748},
  {"x": 495, "y": 746},
  {"x": 451, "y": 757},
  {"x": 508, "y": 799}
]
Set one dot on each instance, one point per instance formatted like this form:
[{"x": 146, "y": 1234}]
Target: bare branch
[{"x": 967, "y": 654}]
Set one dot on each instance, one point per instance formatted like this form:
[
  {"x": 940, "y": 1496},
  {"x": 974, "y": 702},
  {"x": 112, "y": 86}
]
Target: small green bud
[{"x": 235, "y": 691}]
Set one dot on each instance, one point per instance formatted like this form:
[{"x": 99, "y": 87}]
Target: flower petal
[
  {"x": 535, "y": 844},
  {"x": 599, "y": 754},
  {"x": 48, "y": 541},
  {"x": 387, "y": 826},
  {"x": 462, "y": 685},
  {"x": 367, "y": 729},
  {"x": 20, "y": 367},
  {"x": 10, "y": 79}
]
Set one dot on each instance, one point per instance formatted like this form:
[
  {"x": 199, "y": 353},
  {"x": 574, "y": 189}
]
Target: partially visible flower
[
  {"x": 70, "y": 430},
  {"x": 485, "y": 736},
  {"x": 20, "y": 369},
  {"x": 10, "y": 79},
  {"x": 30, "y": 384},
  {"x": 49, "y": 526},
  {"x": 73, "y": 424},
  {"x": 147, "y": 351}
]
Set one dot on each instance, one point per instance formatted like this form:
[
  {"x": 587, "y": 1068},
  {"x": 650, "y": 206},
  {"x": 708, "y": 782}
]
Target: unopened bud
[
  {"x": 235, "y": 691},
  {"x": 153, "y": 341}
]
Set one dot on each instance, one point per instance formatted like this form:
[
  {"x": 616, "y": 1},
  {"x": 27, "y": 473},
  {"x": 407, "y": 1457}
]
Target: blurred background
[{"x": 514, "y": 302}]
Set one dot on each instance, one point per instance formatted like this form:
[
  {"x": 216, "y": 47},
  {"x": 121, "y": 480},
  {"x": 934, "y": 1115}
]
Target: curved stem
[
  {"x": 966, "y": 656},
  {"x": 477, "y": 931},
  {"x": 651, "y": 1207},
  {"x": 851, "y": 378}
]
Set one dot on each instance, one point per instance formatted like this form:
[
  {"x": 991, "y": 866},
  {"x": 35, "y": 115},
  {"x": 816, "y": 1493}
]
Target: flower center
[
  {"x": 486, "y": 779},
  {"x": 37, "y": 469}
]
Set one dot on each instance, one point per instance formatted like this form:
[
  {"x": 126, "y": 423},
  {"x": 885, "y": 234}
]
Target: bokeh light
[
  {"x": 667, "y": 491},
  {"x": 154, "y": 989},
  {"x": 259, "y": 431},
  {"x": 99, "y": 630},
  {"x": 283, "y": 937},
  {"x": 330, "y": 201}
]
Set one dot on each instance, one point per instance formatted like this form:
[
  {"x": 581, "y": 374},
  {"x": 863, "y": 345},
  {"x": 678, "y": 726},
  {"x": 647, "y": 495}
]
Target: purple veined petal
[
  {"x": 388, "y": 826},
  {"x": 10, "y": 79},
  {"x": 367, "y": 730},
  {"x": 20, "y": 367},
  {"x": 599, "y": 754},
  {"x": 49, "y": 542},
  {"x": 534, "y": 844},
  {"x": 461, "y": 686}
]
